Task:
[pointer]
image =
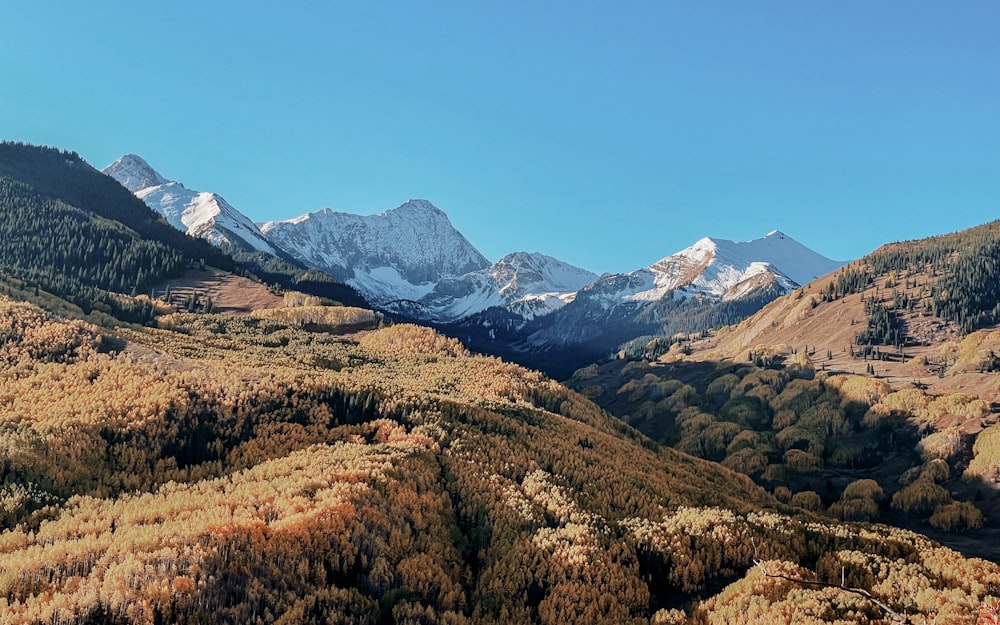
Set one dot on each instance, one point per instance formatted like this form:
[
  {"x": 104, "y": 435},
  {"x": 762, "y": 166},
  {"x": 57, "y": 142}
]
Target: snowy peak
[
  {"x": 719, "y": 263},
  {"x": 201, "y": 214},
  {"x": 134, "y": 173},
  {"x": 685, "y": 292},
  {"x": 400, "y": 253},
  {"x": 420, "y": 209},
  {"x": 718, "y": 268}
]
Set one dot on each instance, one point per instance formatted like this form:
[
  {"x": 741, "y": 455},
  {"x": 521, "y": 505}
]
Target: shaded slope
[
  {"x": 74, "y": 232},
  {"x": 69, "y": 230},
  {"x": 68, "y": 178}
]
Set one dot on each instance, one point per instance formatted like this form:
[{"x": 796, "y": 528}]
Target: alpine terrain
[
  {"x": 532, "y": 308},
  {"x": 412, "y": 263},
  {"x": 205, "y": 215},
  {"x": 709, "y": 284},
  {"x": 526, "y": 284},
  {"x": 397, "y": 254}
]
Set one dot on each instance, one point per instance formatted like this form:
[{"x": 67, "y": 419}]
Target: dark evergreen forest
[
  {"x": 962, "y": 270},
  {"x": 72, "y": 231}
]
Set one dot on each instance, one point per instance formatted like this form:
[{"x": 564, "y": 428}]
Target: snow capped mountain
[
  {"x": 709, "y": 284},
  {"x": 200, "y": 214},
  {"x": 529, "y": 307},
  {"x": 528, "y": 284},
  {"x": 723, "y": 269},
  {"x": 401, "y": 253}
]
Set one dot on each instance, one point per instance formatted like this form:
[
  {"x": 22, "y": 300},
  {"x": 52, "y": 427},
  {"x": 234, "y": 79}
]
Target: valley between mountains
[{"x": 360, "y": 419}]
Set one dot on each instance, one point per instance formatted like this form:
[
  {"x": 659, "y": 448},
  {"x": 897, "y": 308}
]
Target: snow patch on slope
[{"x": 385, "y": 284}]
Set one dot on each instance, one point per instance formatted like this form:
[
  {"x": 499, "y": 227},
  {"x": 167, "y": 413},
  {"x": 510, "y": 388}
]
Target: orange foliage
[
  {"x": 219, "y": 472},
  {"x": 412, "y": 339}
]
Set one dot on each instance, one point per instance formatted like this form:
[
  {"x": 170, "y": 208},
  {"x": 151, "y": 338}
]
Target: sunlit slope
[
  {"x": 236, "y": 469},
  {"x": 918, "y": 311}
]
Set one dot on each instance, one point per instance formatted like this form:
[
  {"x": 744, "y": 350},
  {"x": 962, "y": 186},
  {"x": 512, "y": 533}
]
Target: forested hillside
[
  {"x": 849, "y": 446},
  {"x": 74, "y": 232},
  {"x": 240, "y": 470},
  {"x": 62, "y": 175},
  {"x": 962, "y": 272},
  {"x": 71, "y": 231}
]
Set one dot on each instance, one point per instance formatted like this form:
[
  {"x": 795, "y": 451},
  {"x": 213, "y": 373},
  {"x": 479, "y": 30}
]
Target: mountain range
[{"x": 413, "y": 263}]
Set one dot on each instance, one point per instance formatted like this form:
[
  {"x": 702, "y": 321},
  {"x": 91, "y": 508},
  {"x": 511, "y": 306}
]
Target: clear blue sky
[{"x": 606, "y": 134}]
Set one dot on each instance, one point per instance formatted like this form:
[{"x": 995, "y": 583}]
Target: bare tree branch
[{"x": 894, "y": 615}]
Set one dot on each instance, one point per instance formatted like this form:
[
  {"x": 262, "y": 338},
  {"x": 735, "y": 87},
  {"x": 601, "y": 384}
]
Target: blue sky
[{"x": 606, "y": 134}]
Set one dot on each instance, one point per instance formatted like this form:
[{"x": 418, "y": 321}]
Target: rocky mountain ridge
[
  {"x": 413, "y": 263},
  {"x": 396, "y": 254},
  {"x": 204, "y": 215}
]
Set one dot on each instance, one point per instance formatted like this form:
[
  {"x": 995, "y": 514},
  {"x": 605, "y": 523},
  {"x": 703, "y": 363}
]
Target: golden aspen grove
[{"x": 222, "y": 471}]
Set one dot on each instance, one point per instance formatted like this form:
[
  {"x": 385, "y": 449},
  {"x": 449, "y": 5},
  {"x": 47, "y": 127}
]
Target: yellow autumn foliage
[
  {"x": 218, "y": 469},
  {"x": 412, "y": 339},
  {"x": 326, "y": 316},
  {"x": 985, "y": 463},
  {"x": 856, "y": 388}
]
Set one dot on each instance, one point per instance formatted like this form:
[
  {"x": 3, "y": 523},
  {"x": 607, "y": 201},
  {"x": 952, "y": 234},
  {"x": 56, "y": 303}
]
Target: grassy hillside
[{"x": 904, "y": 309}]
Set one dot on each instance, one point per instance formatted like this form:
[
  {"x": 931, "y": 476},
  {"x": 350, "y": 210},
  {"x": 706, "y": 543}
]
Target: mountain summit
[
  {"x": 717, "y": 269},
  {"x": 730, "y": 269},
  {"x": 712, "y": 283},
  {"x": 134, "y": 173},
  {"x": 397, "y": 254},
  {"x": 201, "y": 214}
]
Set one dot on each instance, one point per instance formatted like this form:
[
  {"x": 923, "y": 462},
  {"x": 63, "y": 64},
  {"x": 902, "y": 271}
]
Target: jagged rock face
[{"x": 398, "y": 254}]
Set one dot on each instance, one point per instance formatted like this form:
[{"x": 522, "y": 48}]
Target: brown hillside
[
  {"x": 230, "y": 294},
  {"x": 802, "y": 327}
]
